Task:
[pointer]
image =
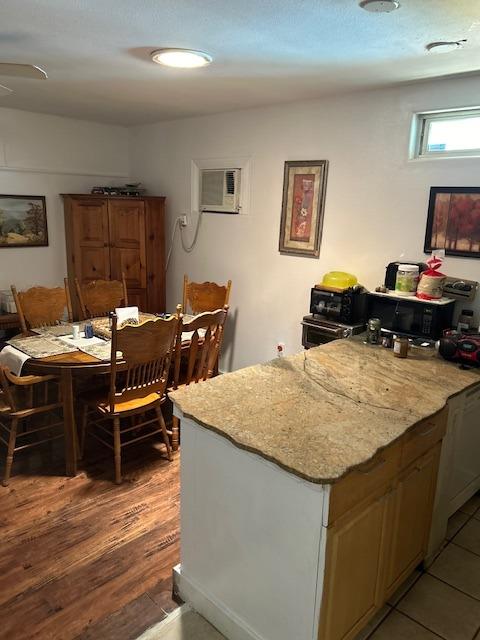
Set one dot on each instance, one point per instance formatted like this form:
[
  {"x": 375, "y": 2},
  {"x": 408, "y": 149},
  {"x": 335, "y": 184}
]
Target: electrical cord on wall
[
  {"x": 191, "y": 247},
  {"x": 178, "y": 224},
  {"x": 172, "y": 239}
]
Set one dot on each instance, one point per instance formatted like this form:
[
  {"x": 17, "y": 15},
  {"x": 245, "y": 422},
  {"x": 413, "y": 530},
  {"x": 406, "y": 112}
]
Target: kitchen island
[{"x": 308, "y": 486}]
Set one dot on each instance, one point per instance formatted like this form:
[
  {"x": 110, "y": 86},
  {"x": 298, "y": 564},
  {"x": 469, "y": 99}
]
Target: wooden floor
[{"x": 82, "y": 558}]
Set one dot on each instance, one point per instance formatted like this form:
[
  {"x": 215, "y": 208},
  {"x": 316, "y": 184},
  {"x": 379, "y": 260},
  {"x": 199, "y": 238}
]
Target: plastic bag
[{"x": 430, "y": 286}]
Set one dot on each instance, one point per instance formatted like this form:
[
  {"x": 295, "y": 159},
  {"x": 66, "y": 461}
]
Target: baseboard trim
[{"x": 219, "y": 615}]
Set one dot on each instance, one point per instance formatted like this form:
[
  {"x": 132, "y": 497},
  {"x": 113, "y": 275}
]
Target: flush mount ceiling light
[
  {"x": 181, "y": 58},
  {"x": 379, "y": 6},
  {"x": 443, "y": 46}
]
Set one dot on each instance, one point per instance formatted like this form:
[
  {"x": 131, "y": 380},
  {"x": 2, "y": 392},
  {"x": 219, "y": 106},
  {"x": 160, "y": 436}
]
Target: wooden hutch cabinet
[{"x": 108, "y": 235}]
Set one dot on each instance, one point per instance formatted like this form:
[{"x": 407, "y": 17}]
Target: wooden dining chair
[
  {"x": 21, "y": 407},
  {"x": 137, "y": 386},
  {"x": 100, "y": 297},
  {"x": 42, "y": 306},
  {"x": 197, "y": 350},
  {"x": 205, "y": 296}
]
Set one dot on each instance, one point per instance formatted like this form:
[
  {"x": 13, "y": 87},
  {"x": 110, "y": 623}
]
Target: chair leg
[
  {"x": 175, "y": 433},
  {"x": 163, "y": 426},
  {"x": 117, "y": 450},
  {"x": 11, "y": 447},
  {"x": 83, "y": 431}
]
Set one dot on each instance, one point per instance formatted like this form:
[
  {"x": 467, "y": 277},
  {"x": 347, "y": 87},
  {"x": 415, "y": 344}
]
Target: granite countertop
[{"x": 322, "y": 412}]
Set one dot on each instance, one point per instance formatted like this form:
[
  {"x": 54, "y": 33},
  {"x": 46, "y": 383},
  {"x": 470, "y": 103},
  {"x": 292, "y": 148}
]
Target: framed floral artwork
[{"x": 304, "y": 186}]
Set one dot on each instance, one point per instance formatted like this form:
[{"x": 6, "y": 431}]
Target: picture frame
[
  {"x": 303, "y": 204},
  {"x": 453, "y": 221},
  {"x": 23, "y": 221}
]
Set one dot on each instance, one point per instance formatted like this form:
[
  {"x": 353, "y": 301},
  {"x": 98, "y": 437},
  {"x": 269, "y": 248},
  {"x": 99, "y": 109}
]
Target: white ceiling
[{"x": 265, "y": 52}]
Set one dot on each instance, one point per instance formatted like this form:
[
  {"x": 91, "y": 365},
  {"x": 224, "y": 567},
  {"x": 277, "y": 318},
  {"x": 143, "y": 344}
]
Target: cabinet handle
[
  {"x": 425, "y": 433},
  {"x": 374, "y": 467}
]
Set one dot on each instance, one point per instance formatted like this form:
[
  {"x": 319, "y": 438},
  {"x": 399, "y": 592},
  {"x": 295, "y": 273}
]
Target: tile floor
[
  {"x": 183, "y": 624},
  {"x": 443, "y": 602}
]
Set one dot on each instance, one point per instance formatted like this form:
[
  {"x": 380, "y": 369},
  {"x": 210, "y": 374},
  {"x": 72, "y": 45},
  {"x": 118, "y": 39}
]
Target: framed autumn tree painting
[
  {"x": 453, "y": 221},
  {"x": 303, "y": 203},
  {"x": 23, "y": 221}
]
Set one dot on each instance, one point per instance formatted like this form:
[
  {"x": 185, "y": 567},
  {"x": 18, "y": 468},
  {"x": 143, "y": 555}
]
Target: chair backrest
[
  {"x": 204, "y": 334},
  {"x": 147, "y": 350},
  {"x": 204, "y": 296},
  {"x": 42, "y": 306},
  {"x": 100, "y": 297}
]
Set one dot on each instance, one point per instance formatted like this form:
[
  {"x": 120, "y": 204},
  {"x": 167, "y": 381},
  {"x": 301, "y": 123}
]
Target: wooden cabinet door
[
  {"x": 409, "y": 523},
  {"x": 90, "y": 240},
  {"x": 351, "y": 585},
  {"x": 137, "y": 298},
  {"x": 127, "y": 237}
]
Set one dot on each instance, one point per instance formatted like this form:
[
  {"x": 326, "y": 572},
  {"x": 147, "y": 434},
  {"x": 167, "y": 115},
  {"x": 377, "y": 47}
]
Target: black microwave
[{"x": 411, "y": 316}]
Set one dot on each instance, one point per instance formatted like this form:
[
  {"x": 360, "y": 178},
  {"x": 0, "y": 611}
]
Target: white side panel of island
[{"x": 251, "y": 541}]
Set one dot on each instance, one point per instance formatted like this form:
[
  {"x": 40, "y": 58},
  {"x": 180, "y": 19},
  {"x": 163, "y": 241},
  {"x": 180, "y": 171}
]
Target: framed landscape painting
[
  {"x": 23, "y": 221},
  {"x": 304, "y": 185},
  {"x": 453, "y": 221}
]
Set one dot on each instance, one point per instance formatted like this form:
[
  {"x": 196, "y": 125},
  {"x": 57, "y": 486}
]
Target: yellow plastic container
[{"x": 339, "y": 280}]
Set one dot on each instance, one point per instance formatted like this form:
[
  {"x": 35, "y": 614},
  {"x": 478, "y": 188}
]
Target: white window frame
[{"x": 421, "y": 128}]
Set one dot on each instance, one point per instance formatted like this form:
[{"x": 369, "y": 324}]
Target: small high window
[{"x": 448, "y": 133}]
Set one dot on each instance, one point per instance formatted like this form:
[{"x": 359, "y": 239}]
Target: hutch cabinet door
[
  {"x": 89, "y": 242},
  {"x": 137, "y": 298},
  {"x": 354, "y": 554},
  {"x": 412, "y": 504},
  {"x": 127, "y": 237}
]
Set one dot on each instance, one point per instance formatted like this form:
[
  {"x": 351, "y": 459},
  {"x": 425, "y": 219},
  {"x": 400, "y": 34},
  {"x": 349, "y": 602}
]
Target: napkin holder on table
[{"x": 126, "y": 315}]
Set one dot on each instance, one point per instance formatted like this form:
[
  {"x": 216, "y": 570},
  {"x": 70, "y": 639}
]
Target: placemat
[
  {"x": 100, "y": 351},
  {"x": 56, "y": 330},
  {"x": 41, "y": 346}
]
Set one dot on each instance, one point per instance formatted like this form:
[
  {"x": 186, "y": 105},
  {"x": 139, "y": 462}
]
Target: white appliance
[{"x": 220, "y": 190}]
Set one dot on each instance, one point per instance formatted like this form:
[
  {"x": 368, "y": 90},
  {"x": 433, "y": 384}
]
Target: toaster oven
[
  {"x": 316, "y": 331},
  {"x": 348, "y": 306}
]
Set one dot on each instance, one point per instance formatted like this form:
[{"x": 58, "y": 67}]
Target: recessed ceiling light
[
  {"x": 181, "y": 58},
  {"x": 379, "y": 6},
  {"x": 443, "y": 46}
]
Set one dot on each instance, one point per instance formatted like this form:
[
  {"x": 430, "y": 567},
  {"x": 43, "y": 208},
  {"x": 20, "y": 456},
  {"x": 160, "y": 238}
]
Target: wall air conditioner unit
[{"x": 220, "y": 190}]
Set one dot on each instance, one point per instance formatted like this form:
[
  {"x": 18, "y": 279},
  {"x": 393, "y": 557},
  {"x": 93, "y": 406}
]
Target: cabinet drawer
[
  {"x": 424, "y": 436},
  {"x": 360, "y": 483}
]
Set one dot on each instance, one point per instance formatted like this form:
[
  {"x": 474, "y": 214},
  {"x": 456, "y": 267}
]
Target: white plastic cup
[{"x": 75, "y": 331}]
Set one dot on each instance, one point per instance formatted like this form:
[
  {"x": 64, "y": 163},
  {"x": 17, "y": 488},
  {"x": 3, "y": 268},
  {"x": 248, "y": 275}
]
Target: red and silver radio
[{"x": 461, "y": 348}]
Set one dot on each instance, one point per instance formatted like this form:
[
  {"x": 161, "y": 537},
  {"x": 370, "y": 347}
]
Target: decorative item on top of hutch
[
  {"x": 107, "y": 236},
  {"x": 23, "y": 221},
  {"x": 453, "y": 221},
  {"x": 304, "y": 186}
]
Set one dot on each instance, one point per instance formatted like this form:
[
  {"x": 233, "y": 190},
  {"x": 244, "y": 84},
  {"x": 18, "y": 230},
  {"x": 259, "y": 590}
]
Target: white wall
[
  {"x": 48, "y": 155},
  {"x": 376, "y": 203}
]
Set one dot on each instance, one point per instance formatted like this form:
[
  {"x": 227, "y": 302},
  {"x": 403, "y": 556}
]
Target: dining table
[{"x": 75, "y": 363}]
